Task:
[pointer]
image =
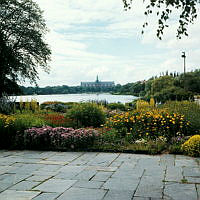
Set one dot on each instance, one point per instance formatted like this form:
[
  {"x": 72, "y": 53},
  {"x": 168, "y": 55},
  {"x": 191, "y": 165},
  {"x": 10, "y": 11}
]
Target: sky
[{"x": 90, "y": 38}]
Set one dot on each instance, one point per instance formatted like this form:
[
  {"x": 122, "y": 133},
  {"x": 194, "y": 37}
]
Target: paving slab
[
  {"x": 174, "y": 174},
  {"x": 150, "y": 186},
  {"x": 37, "y": 178},
  {"x": 102, "y": 176},
  {"x": 198, "y": 190},
  {"x": 121, "y": 184},
  {"x": 13, "y": 178},
  {"x": 191, "y": 171},
  {"x": 46, "y": 196},
  {"x": 84, "y": 159},
  {"x": 4, "y": 186},
  {"x": 180, "y": 191},
  {"x": 85, "y": 175},
  {"x": 24, "y": 185},
  {"x": 82, "y": 194},
  {"x": 55, "y": 185},
  {"x": 18, "y": 195},
  {"x": 119, "y": 195},
  {"x": 88, "y": 184}
]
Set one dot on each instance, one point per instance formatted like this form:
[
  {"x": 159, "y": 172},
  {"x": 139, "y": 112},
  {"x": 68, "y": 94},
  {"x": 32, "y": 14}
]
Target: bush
[
  {"x": 149, "y": 124},
  {"x": 7, "y": 132},
  {"x": 172, "y": 93},
  {"x": 192, "y": 146},
  {"x": 190, "y": 110},
  {"x": 59, "y": 138},
  {"x": 27, "y": 120},
  {"x": 7, "y": 104},
  {"x": 115, "y": 106},
  {"x": 57, "y": 106},
  {"x": 87, "y": 115}
]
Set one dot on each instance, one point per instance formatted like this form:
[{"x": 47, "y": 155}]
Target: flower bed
[
  {"x": 149, "y": 124},
  {"x": 59, "y": 138}
]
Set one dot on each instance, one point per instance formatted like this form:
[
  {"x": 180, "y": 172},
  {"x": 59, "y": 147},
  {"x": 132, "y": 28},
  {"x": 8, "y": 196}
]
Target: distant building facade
[{"x": 98, "y": 84}]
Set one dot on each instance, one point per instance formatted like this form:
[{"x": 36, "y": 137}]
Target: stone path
[{"x": 38, "y": 175}]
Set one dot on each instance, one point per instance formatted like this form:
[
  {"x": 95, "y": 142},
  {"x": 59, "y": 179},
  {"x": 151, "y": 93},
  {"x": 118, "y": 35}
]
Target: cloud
[{"x": 77, "y": 26}]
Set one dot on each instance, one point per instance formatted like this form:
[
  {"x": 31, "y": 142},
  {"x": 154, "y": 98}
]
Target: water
[{"x": 79, "y": 98}]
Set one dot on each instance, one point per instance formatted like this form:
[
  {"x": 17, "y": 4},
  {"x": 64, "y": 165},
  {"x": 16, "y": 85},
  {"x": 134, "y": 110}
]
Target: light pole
[{"x": 183, "y": 56}]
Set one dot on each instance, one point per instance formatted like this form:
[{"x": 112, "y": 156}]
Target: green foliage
[
  {"x": 27, "y": 120},
  {"x": 172, "y": 93},
  {"x": 115, "y": 106},
  {"x": 161, "y": 83},
  {"x": 111, "y": 142},
  {"x": 57, "y": 106},
  {"x": 164, "y": 10},
  {"x": 190, "y": 110},
  {"x": 7, "y": 132},
  {"x": 22, "y": 45},
  {"x": 87, "y": 115},
  {"x": 7, "y": 104},
  {"x": 130, "y": 88},
  {"x": 166, "y": 88},
  {"x": 64, "y": 89},
  {"x": 192, "y": 146},
  {"x": 175, "y": 149},
  {"x": 190, "y": 81}
]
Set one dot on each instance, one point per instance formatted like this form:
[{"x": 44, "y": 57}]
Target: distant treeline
[
  {"x": 64, "y": 89},
  {"x": 167, "y": 86}
]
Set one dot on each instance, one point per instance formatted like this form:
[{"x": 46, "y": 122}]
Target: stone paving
[{"x": 36, "y": 175}]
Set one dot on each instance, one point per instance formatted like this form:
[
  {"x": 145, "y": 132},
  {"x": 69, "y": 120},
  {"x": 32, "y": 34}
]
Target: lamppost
[{"x": 183, "y": 56}]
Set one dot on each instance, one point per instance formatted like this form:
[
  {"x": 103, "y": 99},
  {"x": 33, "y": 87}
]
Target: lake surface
[{"x": 79, "y": 98}]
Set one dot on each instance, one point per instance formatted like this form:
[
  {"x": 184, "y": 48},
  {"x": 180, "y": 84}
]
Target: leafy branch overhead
[
  {"x": 22, "y": 46},
  {"x": 164, "y": 8}
]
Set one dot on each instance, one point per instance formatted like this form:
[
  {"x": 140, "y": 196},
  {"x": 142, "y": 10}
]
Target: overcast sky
[{"x": 90, "y": 37}]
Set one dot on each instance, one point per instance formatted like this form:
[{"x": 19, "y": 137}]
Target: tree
[
  {"x": 22, "y": 45},
  {"x": 187, "y": 8},
  {"x": 162, "y": 83}
]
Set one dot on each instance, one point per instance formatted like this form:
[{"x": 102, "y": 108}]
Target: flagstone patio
[{"x": 36, "y": 175}]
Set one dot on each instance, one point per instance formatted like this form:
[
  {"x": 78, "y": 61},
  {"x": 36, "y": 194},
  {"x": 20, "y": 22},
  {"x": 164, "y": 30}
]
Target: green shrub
[
  {"x": 27, "y": 120},
  {"x": 192, "y": 146},
  {"x": 190, "y": 110},
  {"x": 7, "y": 104},
  {"x": 6, "y": 130},
  {"x": 87, "y": 115},
  {"x": 115, "y": 106},
  {"x": 57, "y": 106}
]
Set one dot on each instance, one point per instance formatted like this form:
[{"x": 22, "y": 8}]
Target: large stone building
[{"x": 98, "y": 84}]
